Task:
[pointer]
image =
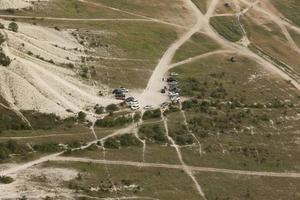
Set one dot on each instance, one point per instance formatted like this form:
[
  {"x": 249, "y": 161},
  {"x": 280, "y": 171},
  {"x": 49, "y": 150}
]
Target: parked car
[
  {"x": 134, "y": 102},
  {"x": 173, "y": 94},
  {"x": 171, "y": 79},
  {"x": 117, "y": 91},
  {"x": 148, "y": 107},
  {"x": 175, "y": 98},
  {"x": 162, "y": 91},
  {"x": 173, "y": 83},
  {"x": 129, "y": 99},
  {"x": 174, "y": 89},
  {"x": 134, "y": 107},
  {"x": 165, "y": 104},
  {"x": 123, "y": 89},
  {"x": 120, "y": 96}
]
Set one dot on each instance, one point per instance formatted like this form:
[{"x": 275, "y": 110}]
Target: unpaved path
[
  {"x": 151, "y": 95},
  {"x": 22, "y": 167},
  {"x": 130, "y": 13},
  {"x": 93, "y": 19},
  {"x": 173, "y": 166},
  {"x": 192, "y": 59},
  {"x": 41, "y": 136},
  {"x": 187, "y": 170},
  {"x": 272, "y": 16}
]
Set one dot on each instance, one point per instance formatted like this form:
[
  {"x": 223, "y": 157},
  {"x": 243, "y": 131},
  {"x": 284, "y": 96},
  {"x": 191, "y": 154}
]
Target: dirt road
[{"x": 172, "y": 166}]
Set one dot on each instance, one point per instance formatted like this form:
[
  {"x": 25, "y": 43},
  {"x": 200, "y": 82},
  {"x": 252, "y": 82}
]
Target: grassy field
[
  {"x": 201, "y": 4},
  {"x": 227, "y": 27},
  {"x": 295, "y": 36},
  {"x": 222, "y": 9},
  {"x": 155, "y": 183},
  {"x": 242, "y": 79},
  {"x": 227, "y": 186},
  {"x": 142, "y": 43},
  {"x": 272, "y": 42},
  {"x": 237, "y": 114},
  {"x": 173, "y": 12},
  {"x": 197, "y": 45},
  {"x": 120, "y": 73},
  {"x": 290, "y": 9},
  {"x": 56, "y": 135},
  {"x": 70, "y": 9}
]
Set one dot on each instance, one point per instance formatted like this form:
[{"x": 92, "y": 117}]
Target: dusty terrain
[{"x": 45, "y": 75}]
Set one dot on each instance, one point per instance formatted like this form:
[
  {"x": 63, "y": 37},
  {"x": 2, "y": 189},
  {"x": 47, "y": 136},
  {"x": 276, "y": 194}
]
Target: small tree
[
  {"x": 6, "y": 179},
  {"x": 13, "y": 26},
  {"x": 2, "y": 26},
  {"x": 112, "y": 108},
  {"x": 81, "y": 116},
  {"x": 2, "y": 38},
  {"x": 4, "y": 60},
  {"x": 137, "y": 116},
  {"x": 99, "y": 110}
]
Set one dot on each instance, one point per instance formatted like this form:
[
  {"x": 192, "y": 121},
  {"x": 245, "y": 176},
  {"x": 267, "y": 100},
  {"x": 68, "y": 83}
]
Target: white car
[
  {"x": 134, "y": 102},
  {"x": 124, "y": 89},
  {"x": 173, "y": 94},
  {"x": 148, "y": 107},
  {"x": 175, "y": 99},
  {"x": 134, "y": 107}
]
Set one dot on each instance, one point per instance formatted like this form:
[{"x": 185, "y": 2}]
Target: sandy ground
[
  {"x": 30, "y": 83},
  {"x": 37, "y": 183},
  {"x": 16, "y": 4}
]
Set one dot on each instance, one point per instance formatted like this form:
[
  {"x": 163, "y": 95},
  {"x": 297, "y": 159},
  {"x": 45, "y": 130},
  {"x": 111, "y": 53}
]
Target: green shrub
[
  {"x": 113, "y": 122},
  {"x": 81, "y": 116},
  {"x": 121, "y": 141},
  {"x": 152, "y": 114},
  {"x": 112, "y": 108},
  {"x": 184, "y": 139},
  {"x": 47, "y": 147},
  {"x": 128, "y": 140},
  {"x": 153, "y": 132},
  {"x": 13, "y": 26},
  {"x": 12, "y": 147},
  {"x": 112, "y": 143},
  {"x": 2, "y": 26},
  {"x": 99, "y": 109},
  {"x": 2, "y": 38},
  {"x": 6, "y": 179},
  {"x": 137, "y": 116},
  {"x": 4, "y": 60}
]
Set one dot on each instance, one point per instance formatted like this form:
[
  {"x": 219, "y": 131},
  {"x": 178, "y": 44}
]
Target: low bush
[
  {"x": 112, "y": 108},
  {"x": 152, "y": 114},
  {"x": 4, "y": 60},
  {"x": 12, "y": 147},
  {"x": 47, "y": 147},
  {"x": 153, "y": 132},
  {"x": 114, "y": 122},
  {"x": 13, "y": 26},
  {"x": 121, "y": 141},
  {"x": 6, "y": 179}
]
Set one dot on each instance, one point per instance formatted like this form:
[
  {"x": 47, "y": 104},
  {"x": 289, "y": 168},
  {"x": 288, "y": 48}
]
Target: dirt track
[
  {"x": 152, "y": 96},
  {"x": 170, "y": 166}
]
